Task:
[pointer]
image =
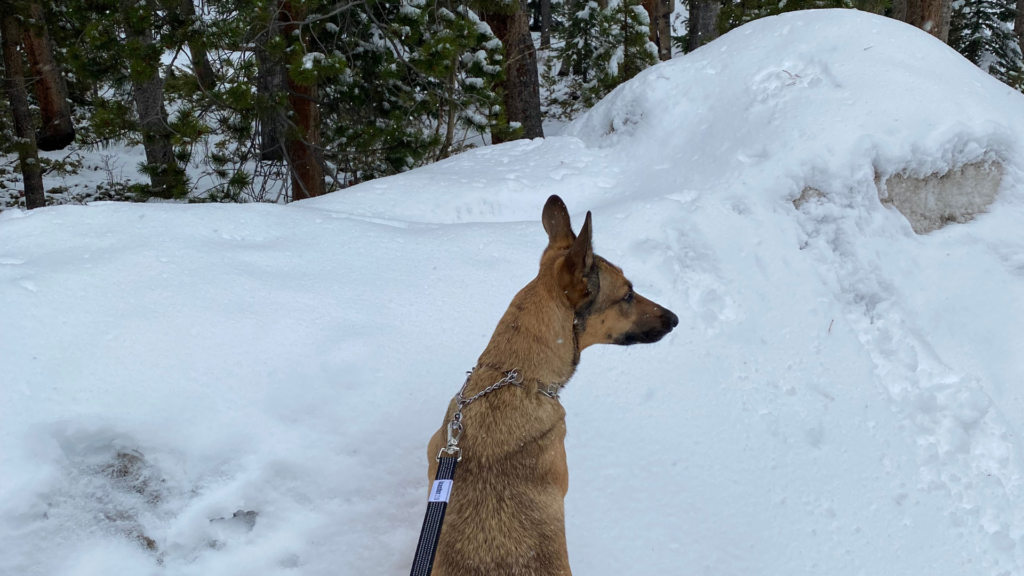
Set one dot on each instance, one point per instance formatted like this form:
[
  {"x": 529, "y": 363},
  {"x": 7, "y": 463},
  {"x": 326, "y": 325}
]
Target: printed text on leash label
[{"x": 440, "y": 491}]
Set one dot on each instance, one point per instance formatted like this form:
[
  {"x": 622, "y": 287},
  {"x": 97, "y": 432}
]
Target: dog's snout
[{"x": 671, "y": 319}]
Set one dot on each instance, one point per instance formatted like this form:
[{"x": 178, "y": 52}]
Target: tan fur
[{"x": 506, "y": 514}]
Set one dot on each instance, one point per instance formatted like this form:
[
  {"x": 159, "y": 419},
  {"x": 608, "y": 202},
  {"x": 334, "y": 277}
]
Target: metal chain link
[{"x": 455, "y": 427}]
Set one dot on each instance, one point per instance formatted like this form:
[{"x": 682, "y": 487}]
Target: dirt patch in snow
[{"x": 931, "y": 202}]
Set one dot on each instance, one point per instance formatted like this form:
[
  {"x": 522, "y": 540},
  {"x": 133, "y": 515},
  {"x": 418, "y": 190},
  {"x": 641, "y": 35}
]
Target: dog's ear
[
  {"x": 556, "y": 223},
  {"x": 578, "y": 267}
]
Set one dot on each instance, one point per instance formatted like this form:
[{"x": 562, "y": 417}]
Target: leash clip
[
  {"x": 512, "y": 377},
  {"x": 454, "y": 433}
]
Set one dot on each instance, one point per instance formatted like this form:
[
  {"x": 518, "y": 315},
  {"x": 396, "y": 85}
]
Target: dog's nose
[{"x": 671, "y": 318}]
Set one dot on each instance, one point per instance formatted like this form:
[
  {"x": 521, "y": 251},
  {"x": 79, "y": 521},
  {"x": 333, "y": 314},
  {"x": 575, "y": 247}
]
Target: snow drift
[{"x": 210, "y": 389}]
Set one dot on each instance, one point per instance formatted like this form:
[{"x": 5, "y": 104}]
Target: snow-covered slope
[{"x": 841, "y": 396}]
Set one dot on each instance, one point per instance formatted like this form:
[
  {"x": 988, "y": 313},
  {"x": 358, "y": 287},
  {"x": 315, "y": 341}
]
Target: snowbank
[{"x": 210, "y": 389}]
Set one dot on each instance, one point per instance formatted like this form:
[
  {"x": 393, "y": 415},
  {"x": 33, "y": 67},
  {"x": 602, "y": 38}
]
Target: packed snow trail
[{"x": 239, "y": 389}]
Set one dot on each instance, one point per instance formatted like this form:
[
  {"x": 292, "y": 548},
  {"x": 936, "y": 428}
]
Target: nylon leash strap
[
  {"x": 441, "y": 490},
  {"x": 437, "y": 503}
]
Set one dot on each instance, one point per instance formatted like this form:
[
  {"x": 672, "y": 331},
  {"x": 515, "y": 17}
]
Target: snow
[
  {"x": 841, "y": 395},
  {"x": 311, "y": 58}
]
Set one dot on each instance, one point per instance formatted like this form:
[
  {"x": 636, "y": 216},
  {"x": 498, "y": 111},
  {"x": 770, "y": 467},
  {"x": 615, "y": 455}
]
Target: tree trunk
[
  {"x": 660, "y": 14},
  {"x": 665, "y": 8},
  {"x": 57, "y": 130},
  {"x": 522, "y": 83},
  {"x": 564, "y": 69},
  {"x": 449, "y": 133},
  {"x": 166, "y": 177},
  {"x": 899, "y": 10},
  {"x": 545, "y": 24},
  {"x": 31, "y": 171},
  {"x": 303, "y": 137},
  {"x": 271, "y": 83},
  {"x": 1018, "y": 25},
  {"x": 702, "y": 26},
  {"x": 932, "y": 16},
  {"x": 197, "y": 47}
]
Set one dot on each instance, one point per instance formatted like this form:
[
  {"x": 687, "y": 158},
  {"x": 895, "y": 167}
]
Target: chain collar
[
  {"x": 551, "y": 390},
  {"x": 513, "y": 377}
]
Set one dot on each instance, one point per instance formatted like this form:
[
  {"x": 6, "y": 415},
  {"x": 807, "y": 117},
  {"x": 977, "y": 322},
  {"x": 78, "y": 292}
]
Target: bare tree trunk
[
  {"x": 932, "y": 16},
  {"x": 303, "y": 138},
  {"x": 660, "y": 13},
  {"x": 899, "y": 10},
  {"x": 702, "y": 26},
  {"x": 31, "y": 172},
  {"x": 271, "y": 82},
  {"x": 545, "y": 24},
  {"x": 57, "y": 130},
  {"x": 651, "y": 7},
  {"x": 449, "y": 133},
  {"x": 522, "y": 83},
  {"x": 197, "y": 47},
  {"x": 564, "y": 69},
  {"x": 665, "y": 10},
  {"x": 166, "y": 177}
]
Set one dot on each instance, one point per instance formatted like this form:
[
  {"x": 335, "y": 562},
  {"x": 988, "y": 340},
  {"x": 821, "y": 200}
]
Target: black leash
[
  {"x": 441, "y": 490},
  {"x": 437, "y": 503}
]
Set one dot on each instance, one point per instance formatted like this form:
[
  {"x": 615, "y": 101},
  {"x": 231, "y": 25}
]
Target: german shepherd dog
[{"x": 506, "y": 513}]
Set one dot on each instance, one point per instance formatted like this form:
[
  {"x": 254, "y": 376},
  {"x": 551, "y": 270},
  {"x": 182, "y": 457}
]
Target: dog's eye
[{"x": 628, "y": 297}]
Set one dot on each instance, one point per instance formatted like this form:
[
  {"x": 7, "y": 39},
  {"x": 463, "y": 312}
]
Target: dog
[{"x": 506, "y": 514}]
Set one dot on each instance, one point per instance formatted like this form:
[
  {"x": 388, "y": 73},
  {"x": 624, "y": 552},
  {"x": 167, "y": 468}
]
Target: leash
[
  {"x": 441, "y": 489},
  {"x": 437, "y": 503}
]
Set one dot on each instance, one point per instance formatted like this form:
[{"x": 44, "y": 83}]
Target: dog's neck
[{"x": 534, "y": 337}]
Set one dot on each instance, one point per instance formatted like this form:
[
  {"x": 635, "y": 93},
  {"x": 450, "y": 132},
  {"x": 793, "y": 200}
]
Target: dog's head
[{"x": 606, "y": 309}]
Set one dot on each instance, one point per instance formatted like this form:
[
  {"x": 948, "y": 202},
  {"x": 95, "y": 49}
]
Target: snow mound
[
  {"x": 816, "y": 98},
  {"x": 212, "y": 389}
]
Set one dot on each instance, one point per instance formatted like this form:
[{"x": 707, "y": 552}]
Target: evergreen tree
[
  {"x": 735, "y": 14},
  {"x": 11, "y": 16},
  {"x": 56, "y": 127},
  {"x": 581, "y": 38},
  {"x": 510, "y": 22},
  {"x": 702, "y": 23},
  {"x": 601, "y": 48},
  {"x": 413, "y": 76},
  {"x": 627, "y": 47},
  {"x": 393, "y": 84},
  {"x": 981, "y": 31}
]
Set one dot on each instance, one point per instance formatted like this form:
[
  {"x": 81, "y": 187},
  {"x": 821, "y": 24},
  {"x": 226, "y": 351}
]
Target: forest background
[{"x": 279, "y": 100}]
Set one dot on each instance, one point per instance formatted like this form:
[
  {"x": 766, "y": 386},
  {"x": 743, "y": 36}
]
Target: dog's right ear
[
  {"x": 578, "y": 276},
  {"x": 557, "y": 225}
]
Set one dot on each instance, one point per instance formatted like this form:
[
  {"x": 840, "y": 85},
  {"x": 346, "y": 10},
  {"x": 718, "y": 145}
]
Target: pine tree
[
  {"x": 628, "y": 49},
  {"x": 509, "y": 20},
  {"x": 14, "y": 86},
  {"x": 981, "y": 32},
  {"x": 601, "y": 48},
  {"x": 702, "y": 23},
  {"x": 932, "y": 16},
  {"x": 582, "y": 38},
  {"x": 416, "y": 74},
  {"x": 736, "y": 14},
  {"x": 57, "y": 129},
  {"x": 398, "y": 84},
  {"x": 390, "y": 85},
  {"x": 141, "y": 27}
]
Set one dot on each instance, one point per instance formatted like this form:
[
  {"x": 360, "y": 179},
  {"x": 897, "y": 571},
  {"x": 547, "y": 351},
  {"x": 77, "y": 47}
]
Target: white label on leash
[{"x": 440, "y": 491}]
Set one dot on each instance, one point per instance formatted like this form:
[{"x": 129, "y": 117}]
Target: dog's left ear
[
  {"x": 556, "y": 223},
  {"x": 578, "y": 266}
]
